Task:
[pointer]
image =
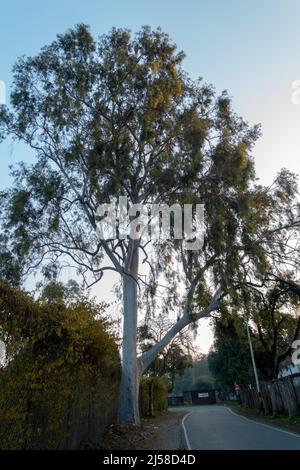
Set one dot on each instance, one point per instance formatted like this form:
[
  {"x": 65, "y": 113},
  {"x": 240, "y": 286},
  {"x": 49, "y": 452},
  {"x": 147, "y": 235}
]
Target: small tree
[{"x": 229, "y": 359}]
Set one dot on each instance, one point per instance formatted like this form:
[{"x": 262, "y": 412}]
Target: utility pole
[
  {"x": 253, "y": 361},
  {"x": 251, "y": 351}
]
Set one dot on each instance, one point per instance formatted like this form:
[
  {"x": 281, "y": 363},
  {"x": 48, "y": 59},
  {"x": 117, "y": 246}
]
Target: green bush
[
  {"x": 153, "y": 395},
  {"x": 59, "y": 385}
]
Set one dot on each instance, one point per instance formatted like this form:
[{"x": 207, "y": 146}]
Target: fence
[
  {"x": 76, "y": 421},
  {"x": 86, "y": 416},
  {"x": 280, "y": 396}
]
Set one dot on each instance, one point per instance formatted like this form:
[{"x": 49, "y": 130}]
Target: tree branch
[{"x": 146, "y": 358}]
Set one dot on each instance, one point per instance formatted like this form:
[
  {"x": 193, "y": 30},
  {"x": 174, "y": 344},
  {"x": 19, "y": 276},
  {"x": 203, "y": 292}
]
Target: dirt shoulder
[
  {"x": 290, "y": 423},
  {"x": 162, "y": 432}
]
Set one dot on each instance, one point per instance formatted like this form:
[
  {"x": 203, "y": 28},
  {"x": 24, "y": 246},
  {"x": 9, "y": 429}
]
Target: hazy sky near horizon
[{"x": 249, "y": 47}]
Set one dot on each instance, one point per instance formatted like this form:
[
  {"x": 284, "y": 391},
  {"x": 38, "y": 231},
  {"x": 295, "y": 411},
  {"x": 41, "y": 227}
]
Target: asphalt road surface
[{"x": 218, "y": 428}]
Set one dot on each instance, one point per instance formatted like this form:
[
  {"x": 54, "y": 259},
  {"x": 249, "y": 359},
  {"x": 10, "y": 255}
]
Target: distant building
[
  {"x": 174, "y": 400},
  {"x": 200, "y": 397},
  {"x": 193, "y": 397}
]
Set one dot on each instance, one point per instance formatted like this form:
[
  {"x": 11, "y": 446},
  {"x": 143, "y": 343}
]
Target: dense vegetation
[
  {"x": 61, "y": 361},
  {"x": 153, "y": 395},
  {"x": 274, "y": 325}
]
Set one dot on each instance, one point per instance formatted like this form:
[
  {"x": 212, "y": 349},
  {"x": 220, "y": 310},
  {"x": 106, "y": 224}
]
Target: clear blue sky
[{"x": 249, "y": 47}]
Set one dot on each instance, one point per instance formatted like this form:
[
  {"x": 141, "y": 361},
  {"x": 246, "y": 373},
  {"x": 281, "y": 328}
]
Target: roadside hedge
[
  {"x": 59, "y": 383},
  {"x": 153, "y": 395}
]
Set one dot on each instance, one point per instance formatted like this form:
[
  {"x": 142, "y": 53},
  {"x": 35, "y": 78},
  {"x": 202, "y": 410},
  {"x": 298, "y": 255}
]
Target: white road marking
[
  {"x": 235, "y": 414},
  {"x": 262, "y": 424},
  {"x": 184, "y": 430}
]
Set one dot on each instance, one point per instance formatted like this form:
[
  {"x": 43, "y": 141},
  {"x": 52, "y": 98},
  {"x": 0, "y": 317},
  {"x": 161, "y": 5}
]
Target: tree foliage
[
  {"x": 275, "y": 320},
  {"x": 229, "y": 360},
  {"x": 153, "y": 395},
  {"x": 274, "y": 324}
]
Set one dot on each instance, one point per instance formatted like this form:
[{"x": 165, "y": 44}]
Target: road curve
[{"x": 219, "y": 428}]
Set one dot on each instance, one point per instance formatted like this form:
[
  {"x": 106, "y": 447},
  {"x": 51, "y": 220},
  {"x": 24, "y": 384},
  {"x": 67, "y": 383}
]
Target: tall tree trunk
[{"x": 129, "y": 389}]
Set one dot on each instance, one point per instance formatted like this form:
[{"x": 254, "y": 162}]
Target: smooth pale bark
[
  {"x": 146, "y": 359},
  {"x": 129, "y": 388}
]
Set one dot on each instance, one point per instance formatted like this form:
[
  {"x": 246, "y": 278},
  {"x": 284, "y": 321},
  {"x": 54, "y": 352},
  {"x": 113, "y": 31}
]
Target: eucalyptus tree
[{"x": 118, "y": 116}]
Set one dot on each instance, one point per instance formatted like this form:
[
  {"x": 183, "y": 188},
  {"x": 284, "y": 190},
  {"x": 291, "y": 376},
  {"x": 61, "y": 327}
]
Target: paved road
[{"x": 218, "y": 428}]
